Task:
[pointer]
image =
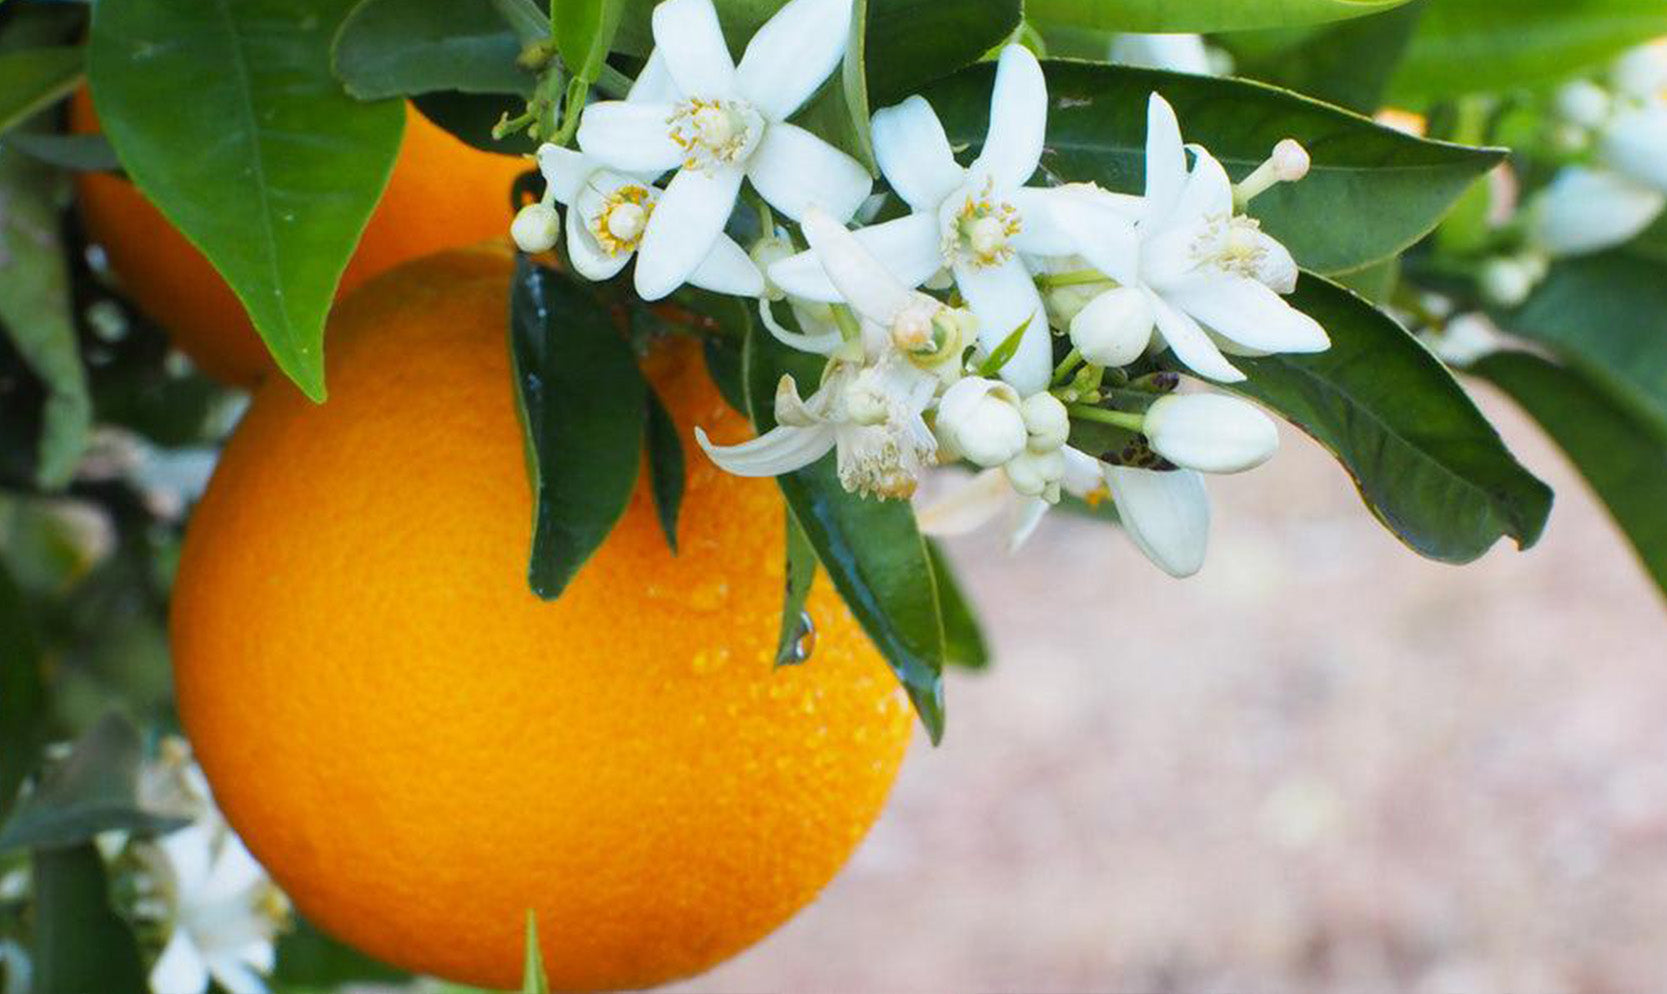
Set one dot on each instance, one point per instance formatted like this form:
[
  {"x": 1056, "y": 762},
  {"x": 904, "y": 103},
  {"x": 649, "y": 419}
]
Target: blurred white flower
[
  {"x": 1210, "y": 432},
  {"x": 975, "y": 503},
  {"x": 1642, "y": 72},
  {"x": 1506, "y": 281},
  {"x": 725, "y": 123},
  {"x": 1588, "y": 210},
  {"x": 1634, "y": 143},
  {"x": 225, "y": 914},
  {"x": 1175, "y": 52},
  {"x": 1585, "y": 103}
]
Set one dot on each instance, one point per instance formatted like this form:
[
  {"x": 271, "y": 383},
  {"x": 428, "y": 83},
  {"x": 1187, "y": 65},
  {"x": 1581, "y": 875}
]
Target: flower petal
[
  {"x": 181, "y": 968},
  {"x": 914, "y": 154},
  {"x": 1175, "y": 52},
  {"x": 1588, "y": 210},
  {"x": 691, "y": 40},
  {"x": 907, "y": 247},
  {"x": 1004, "y": 297},
  {"x": 588, "y": 257},
  {"x": 968, "y": 507},
  {"x": 790, "y": 56},
  {"x": 777, "y": 451},
  {"x": 235, "y": 977},
  {"x": 1041, "y": 230},
  {"x": 1190, "y": 345},
  {"x": 689, "y": 218},
  {"x": 1208, "y": 193},
  {"x": 1084, "y": 475},
  {"x": 814, "y": 342},
  {"x": 1027, "y": 515},
  {"x": 1104, "y": 235},
  {"x": 1166, "y": 158},
  {"x": 654, "y": 84},
  {"x": 565, "y": 170},
  {"x": 1166, "y": 515},
  {"x": 1242, "y": 310},
  {"x": 795, "y": 170},
  {"x": 728, "y": 269},
  {"x": 1018, "y": 121},
  {"x": 190, "y": 855},
  {"x": 1211, "y": 432},
  {"x": 862, "y": 280},
  {"x": 629, "y": 136}
]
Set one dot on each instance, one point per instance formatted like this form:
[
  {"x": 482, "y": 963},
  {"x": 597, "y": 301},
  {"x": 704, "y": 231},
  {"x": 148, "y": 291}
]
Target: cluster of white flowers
[{"x": 967, "y": 371}]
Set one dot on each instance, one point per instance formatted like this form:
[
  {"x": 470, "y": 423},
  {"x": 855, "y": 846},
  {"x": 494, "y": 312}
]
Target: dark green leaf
[
  {"x": 93, "y": 791},
  {"x": 470, "y": 116},
  {"x": 392, "y": 48},
  {"x": 1470, "y": 46},
  {"x": 963, "y": 638},
  {"x": 23, "y": 705},
  {"x": 723, "y": 364},
  {"x": 584, "y": 32},
  {"x": 665, "y": 467},
  {"x": 526, "y": 18},
  {"x": 871, "y": 549},
  {"x": 582, "y": 402},
  {"x": 1169, "y": 16},
  {"x": 840, "y": 114},
  {"x": 309, "y": 958},
  {"x": 1607, "y": 314},
  {"x": 1004, "y": 352},
  {"x": 35, "y": 310},
  {"x": 1624, "y": 458},
  {"x": 81, "y": 153},
  {"x": 1376, "y": 282},
  {"x": 81, "y": 946},
  {"x": 791, "y": 647},
  {"x": 35, "y": 78},
  {"x": 272, "y": 171},
  {"x": 1372, "y": 192},
  {"x": 1348, "y": 64},
  {"x": 1427, "y": 462}
]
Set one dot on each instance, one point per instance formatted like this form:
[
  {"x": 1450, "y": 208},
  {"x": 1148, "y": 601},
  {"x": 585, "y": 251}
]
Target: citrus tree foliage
[{"x": 1468, "y": 188}]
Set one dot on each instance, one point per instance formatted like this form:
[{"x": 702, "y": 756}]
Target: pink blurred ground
[{"x": 1324, "y": 764}]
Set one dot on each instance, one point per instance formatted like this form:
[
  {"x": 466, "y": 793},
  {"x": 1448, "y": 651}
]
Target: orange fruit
[
  {"x": 442, "y": 194},
  {"x": 420, "y": 751}
]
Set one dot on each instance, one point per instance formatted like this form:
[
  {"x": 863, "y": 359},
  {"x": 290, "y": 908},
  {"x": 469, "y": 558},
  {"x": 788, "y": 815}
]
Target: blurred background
[{"x": 1322, "y": 764}]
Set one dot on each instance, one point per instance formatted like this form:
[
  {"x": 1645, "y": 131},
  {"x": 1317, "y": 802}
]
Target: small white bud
[
  {"x": 1506, "y": 282},
  {"x": 1046, "y": 420},
  {"x": 980, "y": 419},
  {"x": 535, "y": 228},
  {"x": 1585, "y": 103},
  {"x": 1115, "y": 328},
  {"x": 1290, "y": 161},
  {"x": 1166, "y": 515},
  {"x": 1635, "y": 144},
  {"x": 1642, "y": 72},
  {"x": 1035, "y": 474},
  {"x": 1210, "y": 432}
]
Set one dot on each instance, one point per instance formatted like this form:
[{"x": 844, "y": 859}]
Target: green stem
[
  {"x": 849, "y": 329},
  {"x": 572, "y": 107},
  {"x": 1078, "y": 277},
  {"x": 1117, "y": 419},
  {"x": 1070, "y": 362}
]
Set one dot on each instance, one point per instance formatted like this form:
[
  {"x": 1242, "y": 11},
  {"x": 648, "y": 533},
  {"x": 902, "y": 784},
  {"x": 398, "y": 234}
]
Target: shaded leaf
[
  {"x": 309, "y": 958},
  {"x": 81, "y": 153},
  {"x": 389, "y": 48},
  {"x": 23, "y": 704},
  {"x": 584, "y": 31},
  {"x": 801, "y": 573},
  {"x": 582, "y": 403},
  {"x": 80, "y": 945},
  {"x": 272, "y": 172},
  {"x": 665, "y": 466},
  {"x": 963, "y": 637},
  {"x": 1202, "y": 16},
  {"x": 840, "y": 114},
  {"x": 1349, "y": 64},
  {"x": 469, "y": 117},
  {"x": 1371, "y": 193},
  {"x": 35, "y": 78}
]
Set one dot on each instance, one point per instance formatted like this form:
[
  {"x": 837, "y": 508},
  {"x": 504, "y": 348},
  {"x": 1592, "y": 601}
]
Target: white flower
[
  {"x": 1585, "y": 103},
  {"x": 975, "y": 503},
  {"x": 1199, "y": 264},
  {"x": 225, "y": 914},
  {"x": 1588, "y": 210},
  {"x": 1047, "y": 421},
  {"x": 1165, "y": 514},
  {"x": 724, "y": 124},
  {"x": 1115, "y": 327},
  {"x": 1642, "y": 72},
  {"x": 1507, "y": 281},
  {"x": 607, "y": 213},
  {"x": 536, "y": 228},
  {"x": 980, "y": 419},
  {"x": 977, "y": 221},
  {"x": 1635, "y": 144},
  {"x": 1037, "y": 474},
  {"x": 1210, "y": 432},
  {"x": 1175, "y": 52}
]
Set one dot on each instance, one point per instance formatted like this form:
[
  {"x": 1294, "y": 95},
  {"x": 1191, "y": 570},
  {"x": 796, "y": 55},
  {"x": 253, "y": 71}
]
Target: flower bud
[
  {"x": 1210, "y": 432},
  {"x": 1046, "y": 420},
  {"x": 1642, "y": 72},
  {"x": 1585, "y": 103},
  {"x": 535, "y": 228},
  {"x": 1291, "y": 161},
  {"x": 1166, "y": 515},
  {"x": 981, "y": 420},
  {"x": 1635, "y": 144},
  {"x": 1037, "y": 474},
  {"x": 1506, "y": 282},
  {"x": 1588, "y": 210},
  {"x": 1115, "y": 328}
]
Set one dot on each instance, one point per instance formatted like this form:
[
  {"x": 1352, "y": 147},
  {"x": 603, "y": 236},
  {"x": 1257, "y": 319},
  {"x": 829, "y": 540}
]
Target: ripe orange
[
  {"x": 442, "y": 194},
  {"x": 420, "y": 751}
]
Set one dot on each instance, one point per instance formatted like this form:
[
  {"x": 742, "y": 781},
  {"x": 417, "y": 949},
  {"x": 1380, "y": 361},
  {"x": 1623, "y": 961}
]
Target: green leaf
[
  {"x": 963, "y": 637},
  {"x": 80, "y": 945},
  {"x": 1608, "y": 315},
  {"x": 271, "y": 172},
  {"x": 582, "y": 402},
  {"x": 665, "y": 466},
  {"x": 526, "y": 18},
  {"x": 36, "y": 78},
  {"x": 1371, "y": 193},
  {"x": 79, "y": 153},
  {"x": 35, "y": 308},
  {"x": 1202, "y": 16},
  {"x": 94, "y": 790},
  {"x": 533, "y": 979},
  {"x": 584, "y": 32},
  {"x": 309, "y": 958},
  {"x": 840, "y": 114},
  {"x": 470, "y": 117},
  {"x": 391, "y": 48},
  {"x": 1004, "y": 351},
  {"x": 1624, "y": 458},
  {"x": 871, "y": 549},
  {"x": 791, "y": 648},
  {"x": 1471, "y": 46},
  {"x": 1426, "y": 461},
  {"x": 23, "y": 704},
  {"x": 1348, "y": 64}
]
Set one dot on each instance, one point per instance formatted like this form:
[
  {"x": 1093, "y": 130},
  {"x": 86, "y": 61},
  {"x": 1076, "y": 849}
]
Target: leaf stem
[
  {"x": 1070, "y": 362},
  {"x": 1117, "y": 419},
  {"x": 1077, "y": 277}
]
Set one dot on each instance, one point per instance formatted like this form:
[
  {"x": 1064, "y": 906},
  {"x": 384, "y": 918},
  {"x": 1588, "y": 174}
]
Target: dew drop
[{"x": 804, "y": 641}]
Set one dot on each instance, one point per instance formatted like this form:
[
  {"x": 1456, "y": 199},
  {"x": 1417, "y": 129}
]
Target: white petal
[
  {"x": 914, "y": 154},
  {"x": 181, "y": 968},
  {"x": 968, "y": 507},
  {"x": 1190, "y": 345},
  {"x": 235, "y": 870},
  {"x": 1175, "y": 52},
  {"x": 1166, "y": 515},
  {"x": 1248, "y": 313},
  {"x": 629, "y": 136},
  {"x": 1104, "y": 236},
  {"x": 1278, "y": 269},
  {"x": 1211, "y": 432},
  {"x": 1004, "y": 297},
  {"x": 586, "y": 254},
  {"x": 691, "y": 40},
  {"x": 862, "y": 280},
  {"x": 1635, "y": 144},
  {"x": 686, "y": 222},
  {"x": 1115, "y": 328},
  {"x": 777, "y": 451},
  {"x": 654, "y": 84},
  {"x": 190, "y": 855},
  {"x": 565, "y": 170},
  {"x": 728, "y": 269},
  {"x": 1041, "y": 231},
  {"x": 235, "y": 977},
  {"x": 1018, "y": 120},
  {"x": 1084, "y": 475},
  {"x": 795, "y": 170},
  {"x": 1027, "y": 515},
  {"x": 907, "y": 247},
  {"x": 1166, "y": 158},
  {"x": 814, "y": 342},
  {"x": 1588, "y": 210},
  {"x": 791, "y": 55},
  {"x": 1208, "y": 193}
]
